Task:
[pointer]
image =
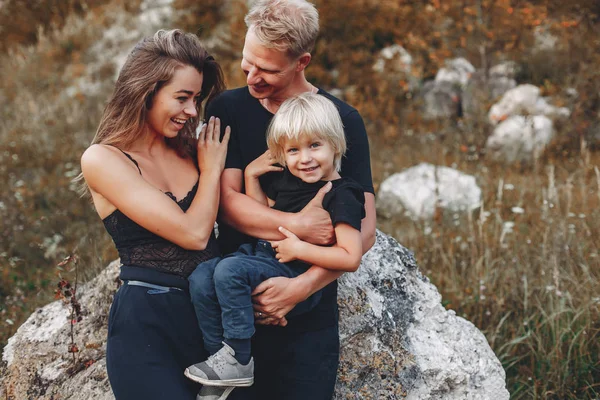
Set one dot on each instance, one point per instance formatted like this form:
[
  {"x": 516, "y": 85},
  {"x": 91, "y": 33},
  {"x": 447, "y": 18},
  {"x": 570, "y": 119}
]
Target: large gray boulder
[{"x": 397, "y": 341}]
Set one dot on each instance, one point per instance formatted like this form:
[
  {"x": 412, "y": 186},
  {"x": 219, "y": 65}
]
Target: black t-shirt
[
  {"x": 249, "y": 121},
  {"x": 345, "y": 202}
]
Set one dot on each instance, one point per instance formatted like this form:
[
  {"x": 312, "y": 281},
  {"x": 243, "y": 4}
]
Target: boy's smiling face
[{"x": 310, "y": 159}]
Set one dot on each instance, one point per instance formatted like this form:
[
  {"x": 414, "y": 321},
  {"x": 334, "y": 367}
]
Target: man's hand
[
  {"x": 313, "y": 223},
  {"x": 276, "y": 297},
  {"x": 287, "y": 249}
]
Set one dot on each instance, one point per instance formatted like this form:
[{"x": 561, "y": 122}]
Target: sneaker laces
[{"x": 223, "y": 356}]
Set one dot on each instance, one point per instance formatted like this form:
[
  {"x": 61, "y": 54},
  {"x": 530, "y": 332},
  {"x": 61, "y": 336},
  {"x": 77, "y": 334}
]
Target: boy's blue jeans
[{"x": 221, "y": 289}]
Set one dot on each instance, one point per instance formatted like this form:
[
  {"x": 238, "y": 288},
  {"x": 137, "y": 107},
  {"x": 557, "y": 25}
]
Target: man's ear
[{"x": 303, "y": 62}]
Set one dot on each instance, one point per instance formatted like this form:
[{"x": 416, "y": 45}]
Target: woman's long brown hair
[{"x": 150, "y": 66}]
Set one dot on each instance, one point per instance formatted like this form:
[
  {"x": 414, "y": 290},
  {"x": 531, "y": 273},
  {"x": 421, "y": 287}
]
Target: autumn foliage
[{"x": 534, "y": 295}]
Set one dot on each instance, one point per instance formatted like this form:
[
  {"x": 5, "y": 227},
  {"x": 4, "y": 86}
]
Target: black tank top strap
[{"x": 131, "y": 158}]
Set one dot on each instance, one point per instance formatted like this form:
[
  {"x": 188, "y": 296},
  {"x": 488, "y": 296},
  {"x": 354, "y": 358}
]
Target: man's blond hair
[
  {"x": 290, "y": 26},
  {"x": 311, "y": 115}
]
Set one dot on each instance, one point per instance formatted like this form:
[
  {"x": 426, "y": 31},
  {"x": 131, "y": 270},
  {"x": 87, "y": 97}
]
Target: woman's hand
[
  {"x": 261, "y": 165},
  {"x": 211, "y": 150},
  {"x": 287, "y": 249},
  {"x": 276, "y": 297}
]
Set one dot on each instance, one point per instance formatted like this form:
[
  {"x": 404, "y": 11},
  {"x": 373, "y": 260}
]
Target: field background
[{"x": 533, "y": 290}]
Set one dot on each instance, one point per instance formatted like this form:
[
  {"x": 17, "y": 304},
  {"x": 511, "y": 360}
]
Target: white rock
[
  {"x": 456, "y": 71},
  {"x": 402, "y": 59},
  {"x": 481, "y": 90},
  {"x": 428, "y": 351},
  {"x": 544, "y": 40},
  {"x": 525, "y": 100},
  {"x": 394, "y": 64},
  {"x": 417, "y": 191},
  {"x": 40, "y": 327},
  {"x": 518, "y": 101},
  {"x": 544, "y": 108},
  {"x": 520, "y": 138},
  {"x": 506, "y": 69}
]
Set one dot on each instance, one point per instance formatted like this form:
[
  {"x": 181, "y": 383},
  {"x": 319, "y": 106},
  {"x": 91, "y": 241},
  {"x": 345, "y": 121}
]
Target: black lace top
[{"x": 139, "y": 247}]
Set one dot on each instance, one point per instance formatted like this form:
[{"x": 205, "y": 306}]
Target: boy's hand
[
  {"x": 287, "y": 249},
  {"x": 260, "y": 166}
]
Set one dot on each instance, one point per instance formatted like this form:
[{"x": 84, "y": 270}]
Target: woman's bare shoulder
[
  {"x": 100, "y": 159},
  {"x": 97, "y": 153}
]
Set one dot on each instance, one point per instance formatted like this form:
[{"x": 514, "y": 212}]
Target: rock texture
[
  {"x": 419, "y": 190},
  {"x": 398, "y": 342},
  {"x": 524, "y": 124},
  {"x": 456, "y": 71},
  {"x": 36, "y": 363},
  {"x": 524, "y": 100},
  {"x": 520, "y": 138}
]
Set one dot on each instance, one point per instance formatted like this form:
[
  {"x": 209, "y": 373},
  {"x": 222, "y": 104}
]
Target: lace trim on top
[{"x": 141, "y": 248}]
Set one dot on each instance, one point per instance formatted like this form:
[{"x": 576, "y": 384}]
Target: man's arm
[
  {"x": 275, "y": 297},
  {"x": 248, "y": 216},
  {"x": 369, "y": 222}
]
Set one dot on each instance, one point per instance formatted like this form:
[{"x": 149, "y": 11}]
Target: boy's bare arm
[
  {"x": 260, "y": 166},
  {"x": 275, "y": 297},
  {"x": 344, "y": 256}
]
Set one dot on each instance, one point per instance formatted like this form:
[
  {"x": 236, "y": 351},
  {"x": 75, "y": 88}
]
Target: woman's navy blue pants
[{"x": 153, "y": 336}]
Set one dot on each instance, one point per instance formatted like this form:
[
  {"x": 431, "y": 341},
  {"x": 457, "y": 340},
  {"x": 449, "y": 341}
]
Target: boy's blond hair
[{"x": 307, "y": 114}]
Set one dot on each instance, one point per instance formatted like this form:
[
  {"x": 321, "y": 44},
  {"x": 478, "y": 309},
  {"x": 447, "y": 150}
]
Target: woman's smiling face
[{"x": 175, "y": 102}]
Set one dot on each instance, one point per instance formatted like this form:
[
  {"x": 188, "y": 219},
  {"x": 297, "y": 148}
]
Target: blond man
[{"x": 295, "y": 358}]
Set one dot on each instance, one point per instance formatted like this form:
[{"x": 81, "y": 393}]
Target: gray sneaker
[
  {"x": 214, "y": 392},
  {"x": 222, "y": 369}
]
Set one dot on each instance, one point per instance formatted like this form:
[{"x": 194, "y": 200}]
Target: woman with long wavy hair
[{"x": 156, "y": 188}]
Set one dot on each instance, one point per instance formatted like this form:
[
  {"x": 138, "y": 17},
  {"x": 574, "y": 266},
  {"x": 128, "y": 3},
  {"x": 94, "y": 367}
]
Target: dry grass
[
  {"x": 528, "y": 280},
  {"x": 48, "y": 118}
]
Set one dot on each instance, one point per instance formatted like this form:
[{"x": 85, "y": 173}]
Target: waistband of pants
[
  {"x": 156, "y": 288},
  {"x": 152, "y": 276}
]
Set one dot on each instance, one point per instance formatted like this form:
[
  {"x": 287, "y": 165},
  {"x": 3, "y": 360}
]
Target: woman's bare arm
[{"x": 110, "y": 175}]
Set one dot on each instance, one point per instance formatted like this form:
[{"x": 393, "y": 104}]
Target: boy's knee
[
  {"x": 228, "y": 270},
  {"x": 201, "y": 280}
]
